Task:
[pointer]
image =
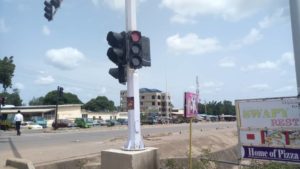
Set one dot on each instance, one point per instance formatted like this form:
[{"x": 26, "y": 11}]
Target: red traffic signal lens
[{"x": 135, "y": 36}]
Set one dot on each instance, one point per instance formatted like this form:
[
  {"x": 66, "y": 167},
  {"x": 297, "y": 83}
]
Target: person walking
[{"x": 18, "y": 119}]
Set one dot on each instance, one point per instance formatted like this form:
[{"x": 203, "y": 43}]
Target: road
[{"x": 75, "y": 142}]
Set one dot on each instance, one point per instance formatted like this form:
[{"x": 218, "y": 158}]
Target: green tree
[
  {"x": 51, "y": 97},
  {"x": 36, "y": 101},
  {"x": 67, "y": 98},
  {"x": 100, "y": 103},
  {"x": 12, "y": 98},
  {"x": 217, "y": 108},
  {"x": 7, "y": 68}
]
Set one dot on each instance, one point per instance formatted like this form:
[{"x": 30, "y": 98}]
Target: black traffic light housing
[
  {"x": 60, "y": 91},
  {"x": 55, "y": 3},
  {"x": 117, "y": 54},
  {"x": 138, "y": 50},
  {"x": 2, "y": 100},
  {"x": 48, "y": 11}
]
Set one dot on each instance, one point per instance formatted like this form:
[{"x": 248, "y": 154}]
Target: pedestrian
[{"x": 18, "y": 120}]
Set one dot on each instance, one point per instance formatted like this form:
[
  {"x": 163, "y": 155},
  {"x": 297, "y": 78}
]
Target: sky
[{"x": 238, "y": 49}]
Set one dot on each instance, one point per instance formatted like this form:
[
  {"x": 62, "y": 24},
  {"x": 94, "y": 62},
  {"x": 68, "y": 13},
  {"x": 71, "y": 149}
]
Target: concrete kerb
[{"x": 19, "y": 163}]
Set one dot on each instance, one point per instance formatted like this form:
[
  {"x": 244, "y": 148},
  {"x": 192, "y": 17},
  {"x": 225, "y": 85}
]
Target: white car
[{"x": 31, "y": 125}]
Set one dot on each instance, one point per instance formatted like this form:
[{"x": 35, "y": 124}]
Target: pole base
[
  {"x": 118, "y": 159},
  {"x": 132, "y": 146}
]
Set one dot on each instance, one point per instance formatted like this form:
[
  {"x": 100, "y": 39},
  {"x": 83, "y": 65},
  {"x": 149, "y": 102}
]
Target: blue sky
[{"x": 238, "y": 48}]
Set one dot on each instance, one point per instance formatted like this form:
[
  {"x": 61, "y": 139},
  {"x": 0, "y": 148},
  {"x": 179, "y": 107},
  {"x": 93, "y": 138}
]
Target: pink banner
[{"x": 190, "y": 104}]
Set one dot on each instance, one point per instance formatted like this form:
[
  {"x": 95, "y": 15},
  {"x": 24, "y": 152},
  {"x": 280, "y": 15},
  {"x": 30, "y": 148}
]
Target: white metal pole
[
  {"x": 295, "y": 22},
  {"x": 135, "y": 141}
]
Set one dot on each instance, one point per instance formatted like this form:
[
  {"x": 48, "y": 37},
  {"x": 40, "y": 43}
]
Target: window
[
  {"x": 163, "y": 97},
  {"x": 141, "y": 103},
  {"x": 158, "y": 97},
  {"x": 153, "y": 103},
  {"x": 158, "y": 103},
  {"x": 143, "y": 97},
  {"x": 153, "y": 96}
]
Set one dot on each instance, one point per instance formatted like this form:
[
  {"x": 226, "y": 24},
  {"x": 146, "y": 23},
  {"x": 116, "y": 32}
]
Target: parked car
[
  {"x": 103, "y": 123},
  {"x": 112, "y": 123},
  {"x": 123, "y": 121},
  {"x": 83, "y": 123},
  {"x": 150, "y": 120},
  {"x": 96, "y": 123},
  {"x": 64, "y": 123},
  {"x": 31, "y": 125},
  {"x": 40, "y": 120}
]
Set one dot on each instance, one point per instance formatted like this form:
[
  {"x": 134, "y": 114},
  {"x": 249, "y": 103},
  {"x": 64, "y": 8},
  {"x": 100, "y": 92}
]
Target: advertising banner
[
  {"x": 270, "y": 113},
  {"x": 271, "y": 153},
  {"x": 190, "y": 104},
  {"x": 269, "y": 128}
]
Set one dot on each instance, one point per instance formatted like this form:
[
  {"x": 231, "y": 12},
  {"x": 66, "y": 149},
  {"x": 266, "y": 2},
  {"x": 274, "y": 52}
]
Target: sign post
[{"x": 190, "y": 111}]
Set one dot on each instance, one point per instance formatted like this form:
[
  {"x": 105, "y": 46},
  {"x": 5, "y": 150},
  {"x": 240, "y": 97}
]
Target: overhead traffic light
[
  {"x": 49, "y": 13},
  {"x": 138, "y": 50},
  {"x": 117, "y": 54},
  {"x": 60, "y": 91},
  {"x": 2, "y": 100},
  {"x": 48, "y": 10},
  {"x": 55, "y": 3}
]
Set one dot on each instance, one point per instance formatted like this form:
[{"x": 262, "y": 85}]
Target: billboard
[
  {"x": 190, "y": 104},
  {"x": 269, "y": 128}
]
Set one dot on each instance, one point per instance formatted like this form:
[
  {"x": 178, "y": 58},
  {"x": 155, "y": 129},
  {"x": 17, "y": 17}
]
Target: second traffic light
[
  {"x": 117, "y": 54},
  {"x": 48, "y": 11},
  {"x": 138, "y": 50}
]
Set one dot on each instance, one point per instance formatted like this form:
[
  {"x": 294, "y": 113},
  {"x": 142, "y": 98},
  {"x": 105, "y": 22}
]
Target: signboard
[
  {"x": 271, "y": 153},
  {"x": 190, "y": 104},
  {"x": 130, "y": 103},
  {"x": 269, "y": 128},
  {"x": 270, "y": 113}
]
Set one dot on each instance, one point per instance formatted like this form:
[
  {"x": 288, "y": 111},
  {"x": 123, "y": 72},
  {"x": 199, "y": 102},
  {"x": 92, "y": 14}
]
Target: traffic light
[
  {"x": 2, "y": 101},
  {"x": 55, "y": 3},
  {"x": 139, "y": 50},
  {"x": 48, "y": 11},
  {"x": 60, "y": 91},
  {"x": 117, "y": 54}
]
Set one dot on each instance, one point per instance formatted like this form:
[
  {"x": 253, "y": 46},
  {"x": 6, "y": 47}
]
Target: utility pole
[
  {"x": 295, "y": 22},
  {"x": 134, "y": 141}
]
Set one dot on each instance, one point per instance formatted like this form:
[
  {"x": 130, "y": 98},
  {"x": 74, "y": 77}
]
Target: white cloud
[
  {"x": 229, "y": 10},
  {"x": 115, "y": 4},
  {"x": 65, "y": 58},
  {"x": 210, "y": 87},
  {"x": 260, "y": 87},
  {"x": 45, "y": 80},
  {"x": 267, "y": 65},
  {"x": 192, "y": 44},
  {"x": 286, "y": 58},
  {"x": 19, "y": 86},
  {"x": 3, "y": 26},
  {"x": 253, "y": 36},
  {"x": 227, "y": 62},
  {"x": 285, "y": 89},
  {"x": 279, "y": 16},
  {"x": 182, "y": 20},
  {"x": 46, "y": 30}
]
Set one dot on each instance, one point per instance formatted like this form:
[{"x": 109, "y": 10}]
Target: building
[
  {"x": 68, "y": 111},
  {"x": 151, "y": 100}
]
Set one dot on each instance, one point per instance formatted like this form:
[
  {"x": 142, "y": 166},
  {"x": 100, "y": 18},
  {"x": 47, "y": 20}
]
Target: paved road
[{"x": 31, "y": 144}]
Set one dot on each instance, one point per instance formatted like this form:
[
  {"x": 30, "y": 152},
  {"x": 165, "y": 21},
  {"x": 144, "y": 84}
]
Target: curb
[{"x": 19, "y": 163}]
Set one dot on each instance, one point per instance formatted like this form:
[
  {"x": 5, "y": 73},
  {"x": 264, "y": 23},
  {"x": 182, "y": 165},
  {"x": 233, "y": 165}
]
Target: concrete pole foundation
[{"x": 120, "y": 159}]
